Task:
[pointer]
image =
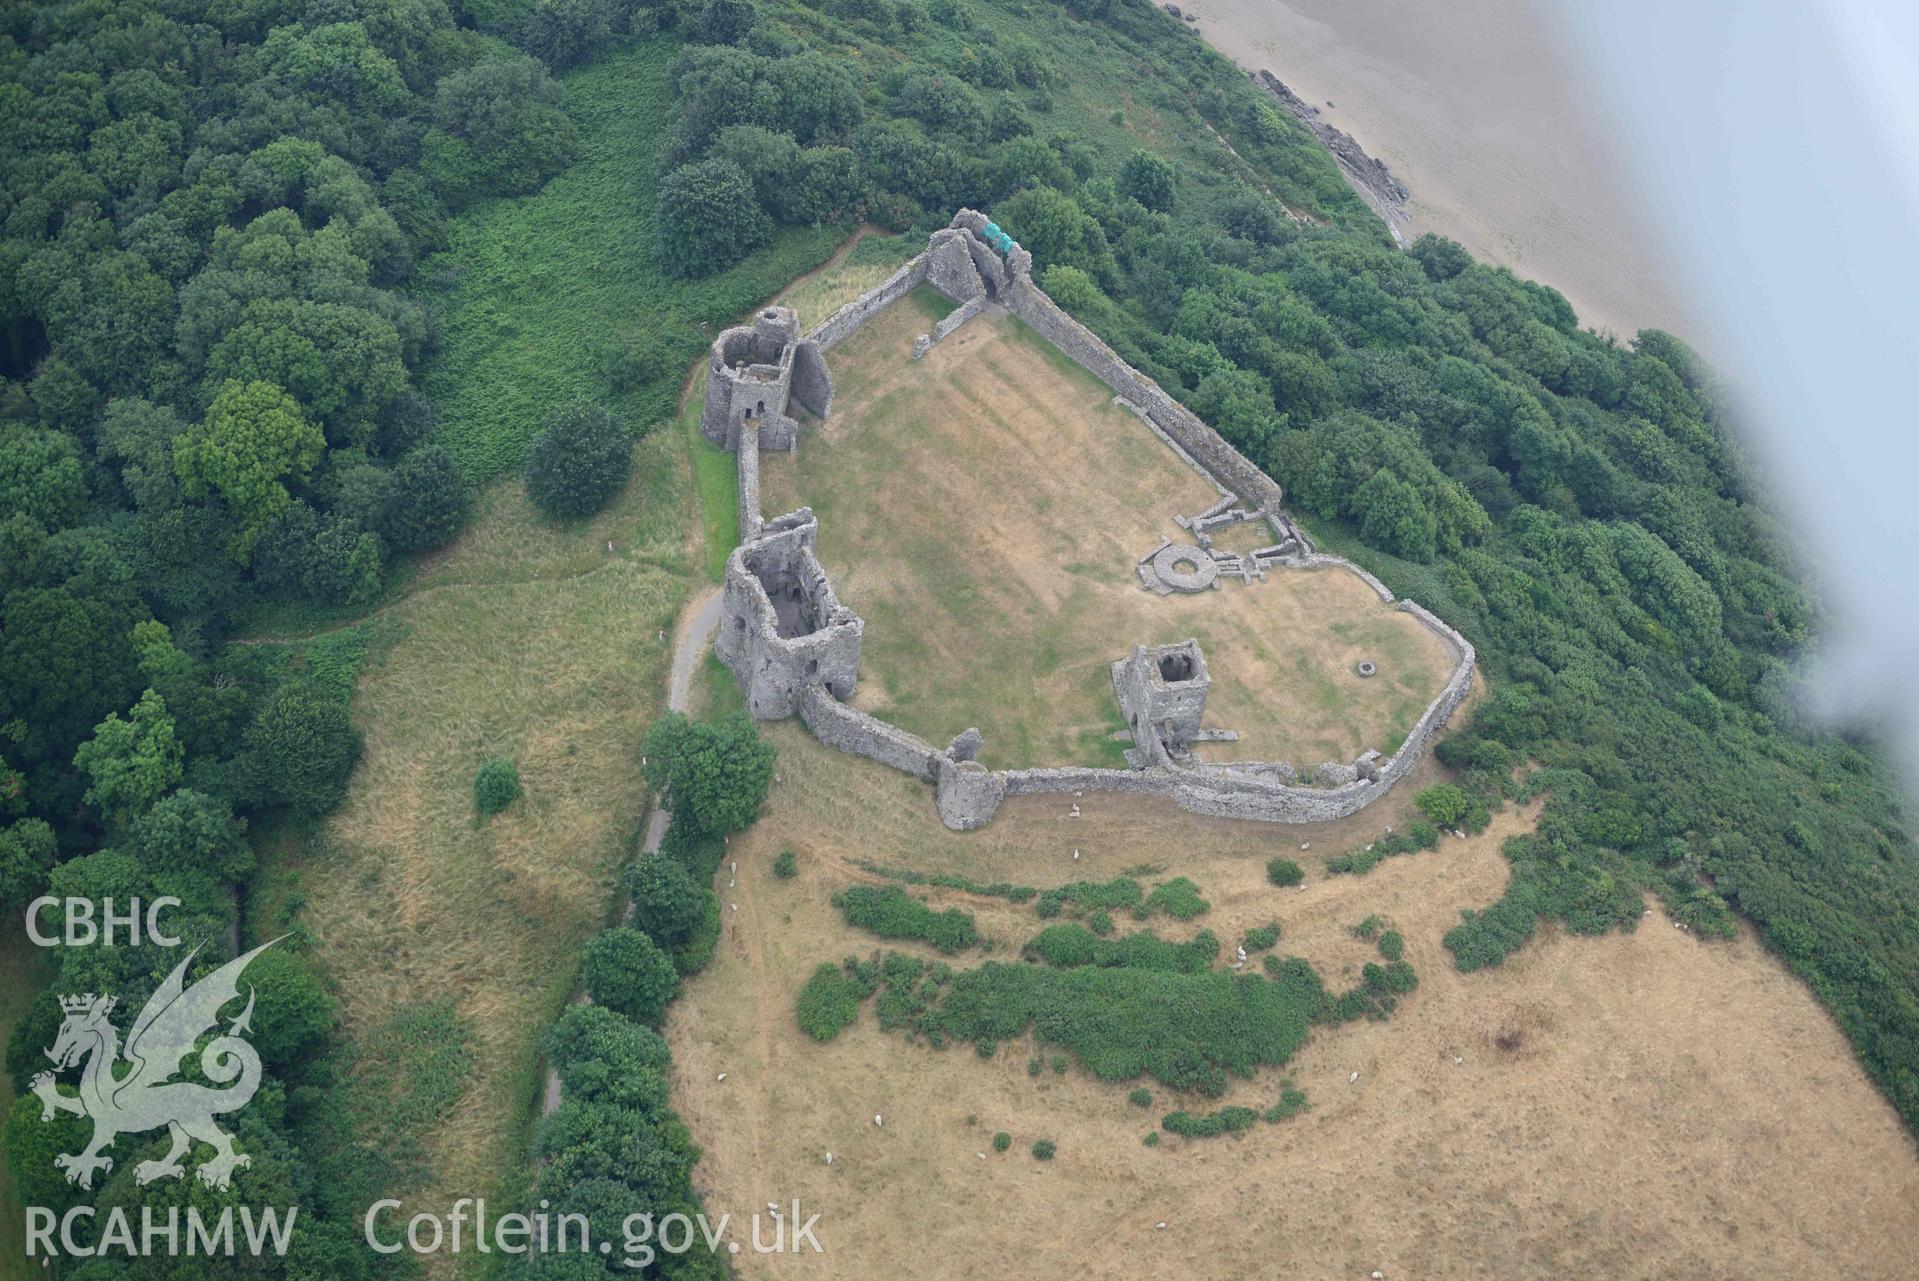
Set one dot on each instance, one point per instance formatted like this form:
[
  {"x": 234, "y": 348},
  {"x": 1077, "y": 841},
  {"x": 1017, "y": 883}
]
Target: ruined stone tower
[
  {"x": 1162, "y": 691},
  {"x": 753, "y": 373},
  {"x": 782, "y": 629}
]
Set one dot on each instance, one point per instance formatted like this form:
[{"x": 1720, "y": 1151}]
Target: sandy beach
[{"x": 1467, "y": 105}]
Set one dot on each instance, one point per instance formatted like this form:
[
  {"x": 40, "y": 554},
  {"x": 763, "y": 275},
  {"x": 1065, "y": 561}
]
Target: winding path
[{"x": 691, "y": 634}]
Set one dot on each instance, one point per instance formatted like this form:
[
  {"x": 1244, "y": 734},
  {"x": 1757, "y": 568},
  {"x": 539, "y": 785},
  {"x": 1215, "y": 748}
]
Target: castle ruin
[{"x": 794, "y": 647}]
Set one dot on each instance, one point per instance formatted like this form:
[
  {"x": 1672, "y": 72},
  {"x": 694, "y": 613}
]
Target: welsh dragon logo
[{"x": 130, "y": 1090}]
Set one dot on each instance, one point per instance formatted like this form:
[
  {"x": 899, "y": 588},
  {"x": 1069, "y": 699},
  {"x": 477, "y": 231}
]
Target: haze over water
[
  {"x": 1466, "y": 103},
  {"x": 1743, "y": 174}
]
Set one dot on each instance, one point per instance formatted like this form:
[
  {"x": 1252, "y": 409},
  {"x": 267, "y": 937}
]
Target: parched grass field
[
  {"x": 1636, "y": 1106},
  {"x": 983, "y": 508},
  {"x": 533, "y": 642}
]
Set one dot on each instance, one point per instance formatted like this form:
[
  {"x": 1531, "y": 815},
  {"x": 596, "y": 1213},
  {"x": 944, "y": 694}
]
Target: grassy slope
[
  {"x": 452, "y": 943},
  {"x": 536, "y": 289}
]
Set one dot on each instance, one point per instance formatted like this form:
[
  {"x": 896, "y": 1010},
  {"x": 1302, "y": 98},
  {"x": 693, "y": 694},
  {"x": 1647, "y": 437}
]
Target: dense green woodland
[{"x": 219, "y": 292}]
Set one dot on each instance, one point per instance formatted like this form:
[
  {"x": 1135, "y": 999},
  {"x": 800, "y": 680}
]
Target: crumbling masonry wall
[
  {"x": 795, "y": 648},
  {"x": 1207, "y": 448},
  {"x": 782, "y": 630},
  {"x": 842, "y": 323}
]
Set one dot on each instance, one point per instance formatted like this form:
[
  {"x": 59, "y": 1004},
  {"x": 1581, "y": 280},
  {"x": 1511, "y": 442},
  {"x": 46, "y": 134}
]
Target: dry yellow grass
[
  {"x": 535, "y": 643},
  {"x": 1667, "y": 1108},
  {"x": 853, "y": 269},
  {"x": 983, "y": 508}
]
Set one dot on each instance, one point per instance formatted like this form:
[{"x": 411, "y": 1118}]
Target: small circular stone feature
[
  {"x": 1185, "y": 569},
  {"x": 1365, "y": 667}
]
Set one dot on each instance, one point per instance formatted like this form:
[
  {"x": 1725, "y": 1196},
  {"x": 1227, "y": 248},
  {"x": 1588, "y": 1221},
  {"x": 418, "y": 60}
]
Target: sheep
[
  {"x": 876, "y": 1120},
  {"x": 720, "y": 1077},
  {"x": 1353, "y": 1079}
]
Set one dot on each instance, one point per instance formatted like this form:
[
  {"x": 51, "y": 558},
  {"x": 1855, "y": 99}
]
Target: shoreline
[
  {"x": 1469, "y": 110},
  {"x": 1366, "y": 174}
]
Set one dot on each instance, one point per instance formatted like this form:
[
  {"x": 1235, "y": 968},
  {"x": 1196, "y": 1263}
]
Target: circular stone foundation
[
  {"x": 1185, "y": 569},
  {"x": 1365, "y": 667}
]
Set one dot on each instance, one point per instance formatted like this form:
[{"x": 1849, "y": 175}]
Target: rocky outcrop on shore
[{"x": 1385, "y": 193}]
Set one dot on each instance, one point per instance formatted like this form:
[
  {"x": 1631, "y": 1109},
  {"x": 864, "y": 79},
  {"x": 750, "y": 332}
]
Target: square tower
[{"x": 1162, "y": 692}]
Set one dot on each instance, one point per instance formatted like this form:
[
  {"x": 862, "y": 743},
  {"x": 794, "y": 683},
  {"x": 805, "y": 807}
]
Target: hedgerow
[
  {"x": 1120, "y": 892},
  {"x": 830, "y": 1001},
  {"x": 1228, "y": 1120},
  {"x": 1261, "y": 937},
  {"x": 1421, "y": 835},
  {"x": 1178, "y": 898},
  {"x": 945, "y": 880},
  {"x": 1284, "y": 873},
  {"x": 892, "y": 913},
  {"x": 1070, "y": 944}
]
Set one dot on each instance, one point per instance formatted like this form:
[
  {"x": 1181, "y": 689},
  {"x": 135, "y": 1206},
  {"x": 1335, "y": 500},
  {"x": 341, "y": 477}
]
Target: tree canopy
[{"x": 712, "y": 774}]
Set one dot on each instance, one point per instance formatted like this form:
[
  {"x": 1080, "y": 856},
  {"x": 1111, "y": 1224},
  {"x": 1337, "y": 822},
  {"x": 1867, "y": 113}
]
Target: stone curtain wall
[
  {"x": 966, "y": 795},
  {"x": 749, "y": 467},
  {"x": 1075, "y": 778},
  {"x": 1201, "y": 443},
  {"x": 959, "y": 316},
  {"x": 842, "y": 323},
  {"x": 851, "y": 730}
]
